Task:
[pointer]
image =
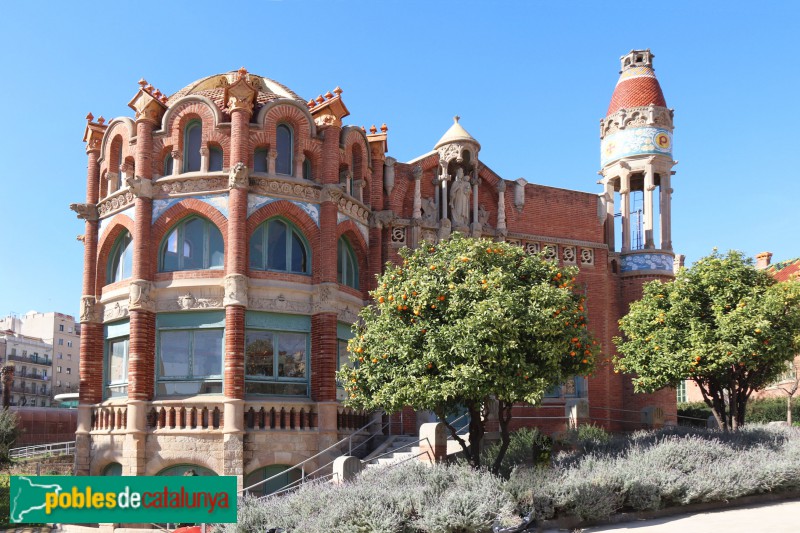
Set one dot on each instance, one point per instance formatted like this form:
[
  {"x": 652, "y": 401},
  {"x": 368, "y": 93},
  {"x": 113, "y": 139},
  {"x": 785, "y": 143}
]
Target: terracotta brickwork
[{"x": 330, "y": 181}]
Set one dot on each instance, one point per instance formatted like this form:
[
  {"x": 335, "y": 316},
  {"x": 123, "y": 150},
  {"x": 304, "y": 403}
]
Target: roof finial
[
  {"x": 242, "y": 72},
  {"x": 89, "y": 117},
  {"x": 384, "y": 128},
  {"x": 456, "y": 119},
  {"x": 142, "y": 82}
]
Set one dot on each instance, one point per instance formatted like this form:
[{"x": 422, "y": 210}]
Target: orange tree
[
  {"x": 463, "y": 322},
  {"x": 722, "y": 324}
]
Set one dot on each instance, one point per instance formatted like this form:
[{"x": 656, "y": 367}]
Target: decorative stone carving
[
  {"x": 140, "y": 187},
  {"x": 189, "y": 301},
  {"x": 116, "y": 311},
  {"x": 388, "y": 175},
  {"x": 327, "y": 119},
  {"x": 459, "y": 200},
  {"x": 568, "y": 255},
  {"x": 235, "y": 290},
  {"x": 452, "y": 151},
  {"x": 192, "y": 185},
  {"x": 381, "y": 219},
  {"x": 140, "y": 298},
  {"x": 551, "y": 252},
  {"x": 80, "y": 237},
  {"x": 85, "y": 211},
  {"x": 532, "y": 248},
  {"x": 399, "y": 235},
  {"x": 324, "y": 301},
  {"x": 277, "y": 187},
  {"x": 88, "y": 311},
  {"x": 429, "y": 235},
  {"x": 416, "y": 172},
  {"x": 119, "y": 201},
  {"x": 519, "y": 193},
  {"x": 238, "y": 178},
  {"x": 331, "y": 193},
  {"x": 483, "y": 216},
  {"x": 353, "y": 209},
  {"x": 428, "y": 211},
  {"x": 281, "y": 303},
  {"x": 346, "y": 314},
  {"x": 587, "y": 257}
]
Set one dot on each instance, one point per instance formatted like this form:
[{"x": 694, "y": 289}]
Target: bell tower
[{"x": 636, "y": 161}]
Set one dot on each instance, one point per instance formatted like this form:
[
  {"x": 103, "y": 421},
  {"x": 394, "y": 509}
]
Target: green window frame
[
  {"x": 215, "y": 159},
  {"x": 168, "y": 165},
  {"x": 344, "y": 333},
  {"x": 260, "y": 160},
  {"x": 192, "y": 142},
  {"x": 189, "y": 235},
  {"x": 347, "y": 264},
  {"x": 277, "y": 245},
  {"x": 120, "y": 262},
  {"x": 284, "y": 144},
  {"x": 115, "y": 356},
  {"x": 277, "y": 356},
  {"x": 190, "y": 348}
]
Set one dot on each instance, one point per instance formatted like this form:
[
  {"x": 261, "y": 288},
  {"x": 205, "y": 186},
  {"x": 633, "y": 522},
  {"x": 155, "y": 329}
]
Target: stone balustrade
[
  {"x": 275, "y": 415},
  {"x": 110, "y": 418}
]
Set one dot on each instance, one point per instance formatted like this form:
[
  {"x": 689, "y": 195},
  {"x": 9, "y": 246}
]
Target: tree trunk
[
  {"x": 476, "y": 432},
  {"x": 504, "y": 417},
  {"x": 789, "y": 410}
]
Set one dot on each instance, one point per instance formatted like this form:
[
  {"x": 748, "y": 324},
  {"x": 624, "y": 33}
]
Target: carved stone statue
[
  {"x": 483, "y": 216},
  {"x": 85, "y": 211},
  {"x": 235, "y": 290},
  {"x": 459, "y": 200},
  {"x": 140, "y": 187},
  {"x": 88, "y": 309},
  {"x": 428, "y": 211},
  {"x": 238, "y": 177}
]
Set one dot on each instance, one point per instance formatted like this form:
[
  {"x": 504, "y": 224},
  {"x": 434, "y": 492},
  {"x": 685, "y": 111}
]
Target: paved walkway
[{"x": 781, "y": 517}]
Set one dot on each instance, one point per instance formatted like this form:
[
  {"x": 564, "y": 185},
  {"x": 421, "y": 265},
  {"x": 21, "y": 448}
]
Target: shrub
[
  {"x": 527, "y": 447},
  {"x": 770, "y": 410},
  {"x": 9, "y": 432}
]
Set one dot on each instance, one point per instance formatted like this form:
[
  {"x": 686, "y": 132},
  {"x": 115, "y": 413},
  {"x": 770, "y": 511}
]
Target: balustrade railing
[
  {"x": 279, "y": 416},
  {"x": 184, "y": 415},
  {"x": 110, "y": 418},
  {"x": 350, "y": 420}
]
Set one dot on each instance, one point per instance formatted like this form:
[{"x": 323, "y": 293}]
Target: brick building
[{"x": 234, "y": 229}]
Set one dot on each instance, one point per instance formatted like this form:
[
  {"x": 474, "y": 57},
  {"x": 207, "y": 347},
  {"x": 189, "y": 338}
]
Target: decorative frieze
[
  {"x": 324, "y": 299},
  {"x": 189, "y": 301},
  {"x": 281, "y": 304},
  {"x": 532, "y": 248},
  {"x": 115, "y": 311},
  {"x": 118, "y": 202},
  {"x": 288, "y": 189},
  {"x": 569, "y": 255},
  {"x": 168, "y": 185},
  {"x": 399, "y": 236},
  {"x": 354, "y": 209},
  {"x": 587, "y": 257},
  {"x": 551, "y": 252}
]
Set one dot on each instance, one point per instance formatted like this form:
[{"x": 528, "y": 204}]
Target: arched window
[
  {"x": 279, "y": 477},
  {"x": 120, "y": 264},
  {"x": 278, "y": 245},
  {"x": 194, "y": 244},
  {"x": 192, "y": 139},
  {"x": 283, "y": 142},
  {"x": 347, "y": 266},
  {"x": 112, "y": 469},
  {"x": 215, "y": 159},
  {"x": 187, "y": 470},
  {"x": 168, "y": 162},
  {"x": 260, "y": 160},
  {"x": 307, "y": 169}
]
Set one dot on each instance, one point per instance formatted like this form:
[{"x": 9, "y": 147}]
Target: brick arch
[
  {"x": 223, "y": 141},
  {"x": 119, "y": 224},
  {"x": 103, "y": 459},
  {"x": 352, "y": 136},
  {"x": 158, "y": 463},
  {"x": 287, "y": 112},
  {"x": 295, "y": 215},
  {"x": 175, "y": 214},
  {"x": 193, "y": 108},
  {"x": 161, "y": 151},
  {"x": 123, "y": 126},
  {"x": 349, "y": 230}
]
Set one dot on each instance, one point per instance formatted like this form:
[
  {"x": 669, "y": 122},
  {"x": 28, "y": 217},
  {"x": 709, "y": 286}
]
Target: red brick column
[
  {"x": 142, "y": 347},
  {"x": 91, "y": 343},
  {"x": 236, "y": 254},
  {"x": 375, "y": 263}
]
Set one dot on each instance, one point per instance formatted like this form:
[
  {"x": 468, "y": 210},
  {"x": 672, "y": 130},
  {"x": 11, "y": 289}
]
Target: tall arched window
[
  {"x": 347, "y": 266},
  {"x": 278, "y": 245},
  {"x": 283, "y": 144},
  {"x": 194, "y": 244},
  {"x": 120, "y": 263},
  {"x": 307, "y": 169},
  {"x": 192, "y": 139},
  {"x": 168, "y": 163},
  {"x": 214, "y": 159}
]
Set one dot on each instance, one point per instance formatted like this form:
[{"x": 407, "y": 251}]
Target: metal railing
[
  {"x": 302, "y": 465},
  {"x": 54, "y": 448}
]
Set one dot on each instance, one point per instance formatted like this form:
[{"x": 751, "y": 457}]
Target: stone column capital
[
  {"x": 89, "y": 311},
  {"x": 141, "y": 297},
  {"x": 139, "y": 186},
  {"x": 239, "y": 177},
  {"x": 235, "y": 290}
]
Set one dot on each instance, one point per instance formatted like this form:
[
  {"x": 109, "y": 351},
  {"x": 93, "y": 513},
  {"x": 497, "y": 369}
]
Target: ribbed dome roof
[
  {"x": 213, "y": 87},
  {"x": 637, "y": 86}
]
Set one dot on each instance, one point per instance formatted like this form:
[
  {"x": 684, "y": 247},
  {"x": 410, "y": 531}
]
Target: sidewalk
[{"x": 780, "y": 517}]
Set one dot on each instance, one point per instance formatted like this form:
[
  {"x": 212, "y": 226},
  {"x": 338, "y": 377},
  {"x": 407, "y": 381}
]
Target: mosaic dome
[{"x": 637, "y": 86}]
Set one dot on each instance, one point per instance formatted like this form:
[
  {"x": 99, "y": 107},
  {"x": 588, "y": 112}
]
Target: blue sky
[{"x": 530, "y": 80}]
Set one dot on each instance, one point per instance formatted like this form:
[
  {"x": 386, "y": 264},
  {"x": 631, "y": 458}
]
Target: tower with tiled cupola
[{"x": 636, "y": 169}]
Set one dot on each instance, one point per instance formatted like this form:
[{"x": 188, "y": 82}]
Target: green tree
[
  {"x": 464, "y": 322},
  {"x": 722, "y": 323}
]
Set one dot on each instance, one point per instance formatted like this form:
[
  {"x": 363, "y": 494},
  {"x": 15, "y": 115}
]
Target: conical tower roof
[
  {"x": 456, "y": 133},
  {"x": 637, "y": 85}
]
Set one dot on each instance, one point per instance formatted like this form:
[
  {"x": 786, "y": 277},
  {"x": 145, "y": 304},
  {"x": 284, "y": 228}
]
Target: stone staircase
[{"x": 395, "y": 450}]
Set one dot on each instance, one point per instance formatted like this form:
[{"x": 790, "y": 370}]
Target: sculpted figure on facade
[
  {"x": 235, "y": 290},
  {"x": 238, "y": 177},
  {"x": 459, "y": 199},
  {"x": 88, "y": 312},
  {"x": 428, "y": 211},
  {"x": 140, "y": 187},
  {"x": 85, "y": 211},
  {"x": 140, "y": 297}
]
